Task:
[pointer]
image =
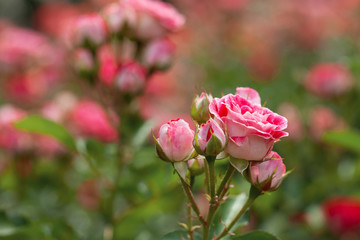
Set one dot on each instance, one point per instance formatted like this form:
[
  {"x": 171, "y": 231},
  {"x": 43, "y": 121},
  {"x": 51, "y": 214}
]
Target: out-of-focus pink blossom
[
  {"x": 88, "y": 119},
  {"x": 83, "y": 61},
  {"x": 323, "y": 119},
  {"x": 89, "y": 29},
  {"x": 295, "y": 125},
  {"x": 88, "y": 194},
  {"x": 342, "y": 215},
  {"x": 12, "y": 139},
  {"x": 108, "y": 66},
  {"x": 117, "y": 15},
  {"x": 58, "y": 109},
  {"x": 131, "y": 78},
  {"x": 159, "y": 54},
  {"x": 154, "y": 18},
  {"x": 328, "y": 80}
]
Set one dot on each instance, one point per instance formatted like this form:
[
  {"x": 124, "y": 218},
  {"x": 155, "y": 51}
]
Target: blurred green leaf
[
  {"x": 38, "y": 124},
  {"x": 348, "y": 139},
  {"x": 228, "y": 211},
  {"x": 256, "y": 235},
  {"x": 7, "y": 230}
]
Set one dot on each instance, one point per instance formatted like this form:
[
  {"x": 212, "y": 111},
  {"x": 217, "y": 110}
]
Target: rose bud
[
  {"x": 210, "y": 139},
  {"x": 83, "y": 61},
  {"x": 175, "y": 142},
  {"x": 158, "y": 54},
  {"x": 252, "y": 129},
  {"x": 196, "y": 165},
  {"x": 89, "y": 30},
  {"x": 131, "y": 78},
  {"x": 200, "y": 107},
  {"x": 154, "y": 19},
  {"x": 328, "y": 80},
  {"x": 117, "y": 15},
  {"x": 267, "y": 175}
]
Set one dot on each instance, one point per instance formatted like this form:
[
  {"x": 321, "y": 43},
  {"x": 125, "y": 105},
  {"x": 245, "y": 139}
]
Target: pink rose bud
[
  {"x": 267, "y": 175},
  {"x": 83, "y": 61},
  {"x": 200, "y": 107},
  {"x": 159, "y": 54},
  {"x": 210, "y": 139},
  {"x": 196, "y": 165},
  {"x": 89, "y": 119},
  {"x": 154, "y": 19},
  {"x": 328, "y": 80},
  {"x": 131, "y": 78},
  {"x": 252, "y": 130},
  {"x": 89, "y": 30},
  {"x": 175, "y": 142},
  {"x": 108, "y": 66},
  {"x": 117, "y": 15}
]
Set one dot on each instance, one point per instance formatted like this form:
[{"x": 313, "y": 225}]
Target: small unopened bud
[
  {"x": 267, "y": 175},
  {"x": 210, "y": 139},
  {"x": 200, "y": 107},
  {"x": 196, "y": 165},
  {"x": 90, "y": 30},
  {"x": 158, "y": 55},
  {"x": 83, "y": 62},
  {"x": 131, "y": 78},
  {"x": 175, "y": 141}
]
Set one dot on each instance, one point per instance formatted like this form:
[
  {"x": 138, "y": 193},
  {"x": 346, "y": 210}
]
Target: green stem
[
  {"x": 254, "y": 193},
  {"x": 189, "y": 225},
  {"x": 192, "y": 201},
  {"x": 213, "y": 199},
  {"x": 224, "y": 185},
  {"x": 207, "y": 176}
]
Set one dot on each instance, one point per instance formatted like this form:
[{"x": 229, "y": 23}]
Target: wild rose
[
  {"x": 267, "y": 175},
  {"x": 131, "y": 78},
  {"x": 200, "y": 107},
  {"x": 154, "y": 18},
  {"x": 210, "y": 139},
  {"x": 89, "y": 119},
  {"x": 158, "y": 54},
  {"x": 328, "y": 80},
  {"x": 342, "y": 215},
  {"x": 90, "y": 30},
  {"x": 175, "y": 142},
  {"x": 252, "y": 129}
]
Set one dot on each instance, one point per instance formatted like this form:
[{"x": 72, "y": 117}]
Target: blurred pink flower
[
  {"x": 295, "y": 124},
  {"x": 131, "y": 78},
  {"x": 88, "y": 119},
  {"x": 158, "y": 54},
  {"x": 108, "y": 66},
  {"x": 328, "y": 80}
]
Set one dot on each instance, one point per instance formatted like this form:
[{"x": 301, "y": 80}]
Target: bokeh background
[{"x": 302, "y": 56}]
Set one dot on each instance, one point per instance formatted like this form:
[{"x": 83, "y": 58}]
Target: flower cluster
[
  {"x": 234, "y": 125},
  {"x": 124, "y": 44}
]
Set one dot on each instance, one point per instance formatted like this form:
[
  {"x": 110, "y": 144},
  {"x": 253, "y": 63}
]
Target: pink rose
[
  {"x": 117, "y": 15},
  {"x": 131, "y": 78},
  {"x": 159, "y": 54},
  {"x": 210, "y": 139},
  {"x": 252, "y": 130},
  {"x": 175, "y": 142},
  {"x": 267, "y": 175},
  {"x": 89, "y": 119},
  {"x": 328, "y": 80},
  {"x": 155, "y": 18}
]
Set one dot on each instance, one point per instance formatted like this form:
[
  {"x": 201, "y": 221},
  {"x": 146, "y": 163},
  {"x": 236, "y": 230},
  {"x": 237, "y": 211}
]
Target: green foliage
[
  {"x": 38, "y": 124},
  {"x": 256, "y": 235},
  {"x": 349, "y": 139}
]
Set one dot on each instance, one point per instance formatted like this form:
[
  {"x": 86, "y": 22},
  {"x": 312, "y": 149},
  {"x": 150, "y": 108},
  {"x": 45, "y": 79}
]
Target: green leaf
[
  {"x": 7, "y": 230},
  {"x": 179, "y": 235},
  {"x": 38, "y": 124},
  {"x": 239, "y": 164},
  {"x": 256, "y": 235},
  {"x": 348, "y": 139},
  {"x": 228, "y": 211}
]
